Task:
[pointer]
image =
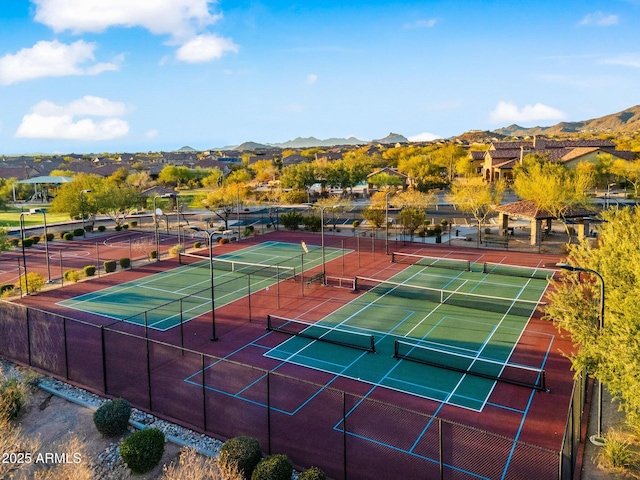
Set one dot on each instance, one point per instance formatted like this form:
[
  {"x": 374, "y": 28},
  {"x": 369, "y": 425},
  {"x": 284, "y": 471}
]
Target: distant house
[
  {"x": 293, "y": 159},
  {"x": 499, "y": 160}
]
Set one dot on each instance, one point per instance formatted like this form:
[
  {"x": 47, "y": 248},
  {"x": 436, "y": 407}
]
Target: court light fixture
[{"x": 597, "y": 438}]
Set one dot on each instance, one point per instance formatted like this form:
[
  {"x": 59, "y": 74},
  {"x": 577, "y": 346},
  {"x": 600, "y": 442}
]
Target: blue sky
[{"x": 148, "y": 75}]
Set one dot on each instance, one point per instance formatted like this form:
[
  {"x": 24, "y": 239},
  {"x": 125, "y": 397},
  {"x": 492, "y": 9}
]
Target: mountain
[
  {"x": 309, "y": 142},
  {"x": 625, "y": 121},
  {"x": 248, "y": 146},
  {"x": 187, "y": 149},
  {"x": 391, "y": 139}
]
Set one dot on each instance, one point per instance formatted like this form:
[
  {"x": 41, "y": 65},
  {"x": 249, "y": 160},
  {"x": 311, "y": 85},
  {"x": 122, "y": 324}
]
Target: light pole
[
  {"x": 386, "y": 221},
  {"x": 82, "y": 193},
  {"x": 213, "y": 307},
  {"x": 238, "y": 208},
  {"x": 156, "y": 212},
  {"x": 46, "y": 245},
  {"x": 322, "y": 209},
  {"x": 597, "y": 438},
  {"x": 24, "y": 257}
]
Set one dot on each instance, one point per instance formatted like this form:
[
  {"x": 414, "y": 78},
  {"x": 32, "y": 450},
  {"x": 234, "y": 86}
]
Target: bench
[
  {"x": 315, "y": 278},
  {"x": 501, "y": 242}
]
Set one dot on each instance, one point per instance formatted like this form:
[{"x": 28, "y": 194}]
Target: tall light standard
[
  {"x": 46, "y": 245},
  {"x": 213, "y": 307},
  {"x": 238, "y": 208},
  {"x": 597, "y": 438},
  {"x": 322, "y": 209},
  {"x": 82, "y": 193},
  {"x": 24, "y": 257},
  {"x": 157, "y": 211},
  {"x": 386, "y": 221}
]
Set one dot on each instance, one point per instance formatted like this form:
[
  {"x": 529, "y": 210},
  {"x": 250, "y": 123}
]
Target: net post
[
  {"x": 396, "y": 348},
  {"x": 373, "y": 344},
  {"x": 269, "y": 322}
]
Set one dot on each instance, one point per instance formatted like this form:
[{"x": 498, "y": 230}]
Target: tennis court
[
  {"x": 169, "y": 298},
  {"x": 445, "y": 332}
]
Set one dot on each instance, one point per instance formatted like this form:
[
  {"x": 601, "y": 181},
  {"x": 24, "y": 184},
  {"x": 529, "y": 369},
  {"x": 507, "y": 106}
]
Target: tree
[
  {"x": 115, "y": 200},
  {"x": 413, "y": 205},
  {"x": 4, "y": 241},
  {"x": 224, "y": 200},
  {"x": 300, "y": 176},
  {"x": 475, "y": 196},
  {"x": 384, "y": 179},
  {"x": 71, "y": 199},
  {"x": 332, "y": 207},
  {"x": 630, "y": 171},
  {"x": 611, "y": 355},
  {"x": 175, "y": 176},
  {"x": 553, "y": 188}
]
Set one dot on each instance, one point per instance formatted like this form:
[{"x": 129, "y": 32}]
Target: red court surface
[{"x": 228, "y": 387}]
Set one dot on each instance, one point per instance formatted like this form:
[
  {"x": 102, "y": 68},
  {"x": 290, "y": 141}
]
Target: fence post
[
  {"x": 344, "y": 433},
  {"x": 26, "y": 312},
  {"x": 440, "y": 452},
  {"x": 66, "y": 349},
  {"x": 104, "y": 360},
  {"x": 269, "y": 410},
  {"x": 149, "y": 373},
  {"x": 204, "y": 396}
]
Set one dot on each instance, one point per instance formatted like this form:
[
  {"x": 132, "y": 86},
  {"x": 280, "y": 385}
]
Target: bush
[
  {"x": 101, "y": 228},
  {"x": 153, "y": 254},
  {"x": 616, "y": 452},
  {"x": 197, "y": 245},
  {"x": 68, "y": 236},
  {"x": 125, "y": 226},
  {"x": 222, "y": 241},
  {"x": 27, "y": 242},
  {"x": 89, "y": 270},
  {"x": 35, "y": 238},
  {"x": 14, "y": 242},
  {"x": 291, "y": 219},
  {"x": 88, "y": 228},
  {"x": 78, "y": 232},
  {"x": 143, "y": 450},
  {"x": 125, "y": 262},
  {"x": 110, "y": 266},
  {"x": 133, "y": 224},
  {"x": 62, "y": 234},
  {"x": 117, "y": 228},
  {"x": 112, "y": 418},
  {"x": 176, "y": 250},
  {"x": 274, "y": 467},
  {"x": 12, "y": 398},
  {"x": 7, "y": 287},
  {"x": 314, "y": 473},
  {"x": 34, "y": 282},
  {"x": 248, "y": 231},
  {"x": 49, "y": 237},
  {"x": 72, "y": 276},
  {"x": 312, "y": 223},
  {"x": 356, "y": 223},
  {"x": 244, "y": 452}
]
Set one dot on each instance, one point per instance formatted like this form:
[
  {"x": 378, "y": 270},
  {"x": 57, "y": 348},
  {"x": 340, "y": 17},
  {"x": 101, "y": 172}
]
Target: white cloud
[
  {"x": 509, "y": 112},
  {"x": 626, "y": 60},
  {"x": 51, "y": 59},
  {"x": 429, "y": 23},
  {"x": 177, "y": 18},
  {"x": 599, "y": 19},
  {"x": 151, "y": 133},
  {"x": 312, "y": 78},
  {"x": 59, "y": 122},
  {"x": 204, "y": 48},
  {"x": 424, "y": 137}
]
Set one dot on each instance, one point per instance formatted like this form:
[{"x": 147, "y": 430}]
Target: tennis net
[
  {"x": 475, "y": 301},
  {"x": 511, "y": 373},
  {"x": 517, "y": 271},
  {"x": 446, "y": 263},
  {"x": 245, "y": 268},
  {"x": 323, "y": 333}
]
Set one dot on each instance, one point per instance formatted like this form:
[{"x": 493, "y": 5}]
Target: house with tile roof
[{"x": 502, "y": 157}]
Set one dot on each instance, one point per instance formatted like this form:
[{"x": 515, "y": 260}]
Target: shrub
[
  {"x": 62, "y": 234},
  {"x": 34, "y": 282},
  {"x": 12, "y": 398},
  {"x": 143, "y": 450},
  {"x": 248, "y": 231},
  {"x": 133, "y": 224},
  {"x": 153, "y": 254},
  {"x": 101, "y": 228},
  {"x": 7, "y": 287},
  {"x": 197, "y": 244},
  {"x": 110, "y": 266},
  {"x": 125, "y": 226},
  {"x": 72, "y": 276},
  {"x": 616, "y": 452},
  {"x": 88, "y": 228},
  {"x": 49, "y": 237},
  {"x": 112, "y": 418},
  {"x": 117, "y": 228},
  {"x": 314, "y": 473},
  {"x": 356, "y": 223},
  {"x": 176, "y": 250},
  {"x": 27, "y": 242},
  {"x": 68, "y": 236},
  {"x": 14, "y": 242},
  {"x": 125, "y": 262},
  {"x": 222, "y": 241},
  {"x": 274, "y": 467},
  {"x": 89, "y": 270},
  {"x": 312, "y": 223},
  {"x": 291, "y": 219},
  {"x": 35, "y": 238},
  {"x": 78, "y": 232},
  {"x": 244, "y": 452}
]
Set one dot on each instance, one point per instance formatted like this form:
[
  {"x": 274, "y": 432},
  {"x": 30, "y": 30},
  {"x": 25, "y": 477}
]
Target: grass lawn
[{"x": 11, "y": 218}]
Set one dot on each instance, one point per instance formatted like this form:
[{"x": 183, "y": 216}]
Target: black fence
[{"x": 347, "y": 435}]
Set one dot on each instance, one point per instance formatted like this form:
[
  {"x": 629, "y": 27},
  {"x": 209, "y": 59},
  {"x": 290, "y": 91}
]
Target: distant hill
[
  {"x": 308, "y": 142},
  {"x": 249, "y": 146},
  {"x": 187, "y": 149},
  {"x": 391, "y": 139},
  {"x": 626, "y": 121}
]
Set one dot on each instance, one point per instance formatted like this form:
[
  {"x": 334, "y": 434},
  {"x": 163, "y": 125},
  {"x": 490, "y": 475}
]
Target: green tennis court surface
[
  {"x": 434, "y": 316},
  {"x": 165, "y": 299}
]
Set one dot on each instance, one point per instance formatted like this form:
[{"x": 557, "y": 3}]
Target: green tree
[
  {"x": 553, "y": 188},
  {"x": 71, "y": 199},
  {"x": 413, "y": 205},
  {"x": 300, "y": 176},
  {"x": 114, "y": 199},
  {"x": 224, "y": 200},
  {"x": 630, "y": 171},
  {"x": 4, "y": 241},
  {"x": 384, "y": 179},
  {"x": 475, "y": 196},
  {"x": 612, "y": 355},
  {"x": 175, "y": 176}
]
